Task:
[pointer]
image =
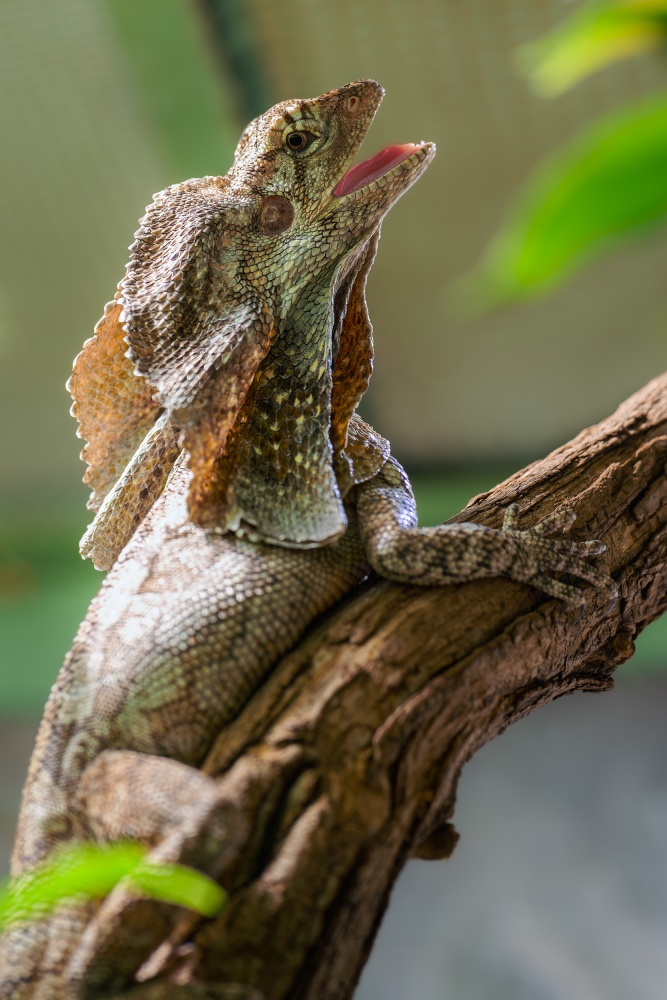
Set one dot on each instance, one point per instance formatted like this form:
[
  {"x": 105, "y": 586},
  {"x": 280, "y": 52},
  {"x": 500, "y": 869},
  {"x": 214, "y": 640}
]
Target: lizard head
[{"x": 294, "y": 162}]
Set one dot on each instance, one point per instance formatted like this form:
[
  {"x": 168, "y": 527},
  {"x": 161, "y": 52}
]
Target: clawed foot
[{"x": 538, "y": 556}]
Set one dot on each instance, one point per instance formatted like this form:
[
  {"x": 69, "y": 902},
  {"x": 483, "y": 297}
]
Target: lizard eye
[{"x": 298, "y": 141}]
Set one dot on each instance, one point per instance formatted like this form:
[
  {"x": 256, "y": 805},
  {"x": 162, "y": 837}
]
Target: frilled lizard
[{"x": 238, "y": 496}]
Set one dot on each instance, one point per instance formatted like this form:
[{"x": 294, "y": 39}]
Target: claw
[
  {"x": 595, "y": 547},
  {"x": 612, "y": 604}
]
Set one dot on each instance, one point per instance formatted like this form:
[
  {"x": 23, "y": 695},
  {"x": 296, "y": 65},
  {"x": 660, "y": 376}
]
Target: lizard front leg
[{"x": 456, "y": 553}]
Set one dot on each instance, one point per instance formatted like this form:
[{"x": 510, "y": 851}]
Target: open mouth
[{"x": 377, "y": 166}]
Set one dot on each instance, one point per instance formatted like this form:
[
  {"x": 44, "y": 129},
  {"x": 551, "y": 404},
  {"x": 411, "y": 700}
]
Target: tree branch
[{"x": 347, "y": 761}]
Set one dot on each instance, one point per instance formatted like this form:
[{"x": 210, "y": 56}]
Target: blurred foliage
[
  {"x": 590, "y": 39},
  {"x": 44, "y": 592},
  {"x": 604, "y": 186},
  {"x": 90, "y": 871},
  {"x": 185, "y": 96}
]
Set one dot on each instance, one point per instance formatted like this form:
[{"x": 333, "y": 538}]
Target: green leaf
[
  {"x": 90, "y": 871},
  {"x": 83, "y": 870},
  {"x": 592, "y": 38},
  {"x": 181, "y": 886},
  {"x": 607, "y": 184}
]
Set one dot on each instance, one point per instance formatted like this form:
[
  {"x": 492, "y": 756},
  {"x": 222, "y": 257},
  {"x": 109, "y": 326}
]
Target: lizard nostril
[{"x": 352, "y": 103}]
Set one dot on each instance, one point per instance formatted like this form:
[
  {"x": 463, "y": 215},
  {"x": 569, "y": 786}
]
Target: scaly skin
[{"x": 238, "y": 496}]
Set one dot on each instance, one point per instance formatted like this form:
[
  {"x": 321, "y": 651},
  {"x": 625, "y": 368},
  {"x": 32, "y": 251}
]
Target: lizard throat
[{"x": 370, "y": 170}]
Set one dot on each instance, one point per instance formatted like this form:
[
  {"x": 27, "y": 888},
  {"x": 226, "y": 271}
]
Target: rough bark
[{"x": 347, "y": 762}]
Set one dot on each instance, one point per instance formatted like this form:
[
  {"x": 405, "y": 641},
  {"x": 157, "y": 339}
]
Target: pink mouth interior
[{"x": 361, "y": 175}]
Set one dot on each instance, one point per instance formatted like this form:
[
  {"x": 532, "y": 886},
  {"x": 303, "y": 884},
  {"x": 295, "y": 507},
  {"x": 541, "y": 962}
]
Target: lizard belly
[{"x": 182, "y": 633}]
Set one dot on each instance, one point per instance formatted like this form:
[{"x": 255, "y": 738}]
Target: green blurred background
[{"x": 103, "y": 102}]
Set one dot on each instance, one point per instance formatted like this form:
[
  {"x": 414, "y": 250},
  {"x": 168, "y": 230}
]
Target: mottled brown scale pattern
[
  {"x": 114, "y": 408},
  {"x": 284, "y": 463},
  {"x": 454, "y": 553},
  {"x": 175, "y": 697},
  {"x": 353, "y": 364},
  {"x": 365, "y": 453},
  {"x": 193, "y": 333},
  {"x": 244, "y": 496},
  {"x": 211, "y": 292},
  {"x": 133, "y": 495}
]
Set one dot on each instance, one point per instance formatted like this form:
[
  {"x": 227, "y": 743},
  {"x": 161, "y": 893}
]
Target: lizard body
[{"x": 238, "y": 496}]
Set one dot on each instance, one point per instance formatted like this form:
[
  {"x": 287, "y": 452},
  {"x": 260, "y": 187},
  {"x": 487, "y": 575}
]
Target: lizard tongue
[{"x": 357, "y": 177}]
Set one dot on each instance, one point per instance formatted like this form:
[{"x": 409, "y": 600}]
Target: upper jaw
[{"x": 394, "y": 168}]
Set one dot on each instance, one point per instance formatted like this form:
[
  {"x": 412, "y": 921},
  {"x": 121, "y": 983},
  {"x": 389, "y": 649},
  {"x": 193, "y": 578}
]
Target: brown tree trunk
[{"x": 347, "y": 761}]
